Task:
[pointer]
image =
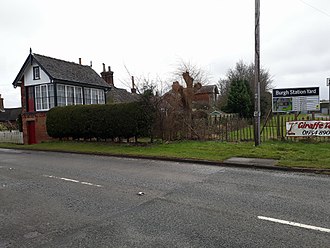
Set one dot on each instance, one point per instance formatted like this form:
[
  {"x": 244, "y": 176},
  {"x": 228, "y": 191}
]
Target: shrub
[{"x": 99, "y": 121}]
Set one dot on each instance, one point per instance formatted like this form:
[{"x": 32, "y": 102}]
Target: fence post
[
  {"x": 278, "y": 125},
  {"x": 283, "y": 125}
]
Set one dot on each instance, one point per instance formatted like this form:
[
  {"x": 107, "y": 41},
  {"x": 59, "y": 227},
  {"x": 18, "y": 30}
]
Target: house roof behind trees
[
  {"x": 208, "y": 89},
  {"x": 10, "y": 114},
  {"x": 117, "y": 95}
]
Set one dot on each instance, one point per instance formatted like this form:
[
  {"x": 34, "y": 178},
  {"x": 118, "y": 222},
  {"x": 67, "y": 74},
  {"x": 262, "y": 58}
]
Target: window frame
[
  {"x": 36, "y": 72},
  {"x": 94, "y": 96},
  {"x": 72, "y": 95},
  {"x": 42, "y": 95}
]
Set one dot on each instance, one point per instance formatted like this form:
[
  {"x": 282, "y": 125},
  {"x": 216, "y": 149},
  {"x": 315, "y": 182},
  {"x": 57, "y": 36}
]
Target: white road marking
[
  {"x": 91, "y": 184},
  {"x": 69, "y": 180},
  {"x": 73, "y": 181},
  {"x": 285, "y": 222}
]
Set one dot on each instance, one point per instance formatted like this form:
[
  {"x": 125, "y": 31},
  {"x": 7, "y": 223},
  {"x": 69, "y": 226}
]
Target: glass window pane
[
  {"x": 101, "y": 97},
  {"x": 78, "y": 95},
  {"x": 38, "y": 99},
  {"x": 44, "y": 97},
  {"x": 94, "y": 96},
  {"x": 87, "y": 96},
  {"x": 50, "y": 90},
  {"x": 51, "y": 99},
  {"x": 70, "y": 95},
  {"x": 61, "y": 95}
]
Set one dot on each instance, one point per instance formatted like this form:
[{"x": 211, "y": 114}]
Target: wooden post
[
  {"x": 257, "y": 75},
  {"x": 278, "y": 125}
]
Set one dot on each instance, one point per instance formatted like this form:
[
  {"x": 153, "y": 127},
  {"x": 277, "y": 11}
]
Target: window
[
  {"x": 44, "y": 96},
  {"x": 38, "y": 97},
  {"x": 44, "y": 102},
  {"x": 101, "y": 97},
  {"x": 69, "y": 95},
  {"x": 94, "y": 96},
  {"x": 88, "y": 99},
  {"x": 36, "y": 72},
  {"x": 78, "y": 95},
  {"x": 61, "y": 99},
  {"x": 51, "y": 96},
  {"x": 95, "y": 99}
]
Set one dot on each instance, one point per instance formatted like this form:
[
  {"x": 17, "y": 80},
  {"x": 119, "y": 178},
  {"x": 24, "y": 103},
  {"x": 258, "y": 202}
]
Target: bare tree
[{"x": 199, "y": 74}]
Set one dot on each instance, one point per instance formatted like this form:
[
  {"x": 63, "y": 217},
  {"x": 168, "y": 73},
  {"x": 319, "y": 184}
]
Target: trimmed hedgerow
[{"x": 99, "y": 121}]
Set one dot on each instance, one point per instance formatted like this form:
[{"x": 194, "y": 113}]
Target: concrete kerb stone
[{"x": 240, "y": 162}]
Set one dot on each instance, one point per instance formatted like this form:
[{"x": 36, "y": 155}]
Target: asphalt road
[{"x": 70, "y": 200}]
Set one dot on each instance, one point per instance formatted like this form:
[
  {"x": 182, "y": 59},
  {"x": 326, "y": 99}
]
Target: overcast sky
[{"x": 150, "y": 37}]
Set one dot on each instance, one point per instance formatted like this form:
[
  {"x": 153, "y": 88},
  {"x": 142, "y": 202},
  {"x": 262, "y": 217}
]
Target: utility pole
[
  {"x": 257, "y": 75},
  {"x": 328, "y": 84}
]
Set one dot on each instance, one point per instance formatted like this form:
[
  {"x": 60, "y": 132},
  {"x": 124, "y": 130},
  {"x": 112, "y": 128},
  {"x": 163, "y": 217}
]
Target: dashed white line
[
  {"x": 69, "y": 180},
  {"x": 73, "y": 181},
  {"x": 91, "y": 184},
  {"x": 285, "y": 222}
]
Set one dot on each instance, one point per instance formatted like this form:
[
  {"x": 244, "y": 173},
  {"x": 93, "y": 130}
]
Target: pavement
[
  {"x": 270, "y": 164},
  {"x": 256, "y": 163}
]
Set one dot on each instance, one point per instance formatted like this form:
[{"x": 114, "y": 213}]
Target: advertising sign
[
  {"x": 307, "y": 128},
  {"x": 296, "y": 99}
]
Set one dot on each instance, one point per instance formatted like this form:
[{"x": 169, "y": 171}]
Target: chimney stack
[
  {"x": 107, "y": 75},
  {"x": 133, "y": 90},
  {"x": 1, "y": 104},
  {"x": 79, "y": 61}
]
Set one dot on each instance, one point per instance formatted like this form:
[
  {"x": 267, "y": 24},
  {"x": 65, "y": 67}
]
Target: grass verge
[{"x": 290, "y": 154}]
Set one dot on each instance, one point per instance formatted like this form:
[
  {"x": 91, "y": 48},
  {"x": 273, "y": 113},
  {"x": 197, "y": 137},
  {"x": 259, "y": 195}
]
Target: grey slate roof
[
  {"x": 68, "y": 71},
  {"x": 117, "y": 95},
  {"x": 10, "y": 114},
  {"x": 60, "y": 70}
]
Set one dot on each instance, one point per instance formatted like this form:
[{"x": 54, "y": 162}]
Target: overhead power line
[{"x": 317, "y": 9}]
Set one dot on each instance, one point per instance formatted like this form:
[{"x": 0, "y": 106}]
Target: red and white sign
[{"x": 307, "y": 128}]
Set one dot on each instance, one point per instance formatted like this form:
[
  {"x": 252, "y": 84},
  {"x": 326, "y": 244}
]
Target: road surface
[{"x": 71, "y": 200}]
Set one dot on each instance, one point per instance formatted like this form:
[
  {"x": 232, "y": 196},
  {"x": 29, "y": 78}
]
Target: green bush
[{"x": 99, "y": 121}]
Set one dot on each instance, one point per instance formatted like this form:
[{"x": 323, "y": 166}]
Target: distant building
[
  {"x": 9, "y": 116},
  {"x": 324, "y": 107},
  {"x": 206, "y": 95},
  {"x": 203, "y": 97}
]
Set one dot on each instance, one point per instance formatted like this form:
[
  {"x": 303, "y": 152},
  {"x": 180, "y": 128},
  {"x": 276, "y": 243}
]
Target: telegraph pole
[
  {"x": 257, "y": 75},
  {"x": 328, "y": 84}
]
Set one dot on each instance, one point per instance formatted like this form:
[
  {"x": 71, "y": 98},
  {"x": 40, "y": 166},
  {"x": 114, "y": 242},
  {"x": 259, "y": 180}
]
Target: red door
[{"x": 31, "y": 128}]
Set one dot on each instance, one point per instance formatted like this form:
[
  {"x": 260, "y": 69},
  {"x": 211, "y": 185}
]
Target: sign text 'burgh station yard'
[{"x": 296, "y": 92}]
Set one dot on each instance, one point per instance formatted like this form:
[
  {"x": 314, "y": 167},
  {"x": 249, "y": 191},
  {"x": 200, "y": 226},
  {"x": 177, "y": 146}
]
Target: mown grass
[{"x": 292, "y": 154}]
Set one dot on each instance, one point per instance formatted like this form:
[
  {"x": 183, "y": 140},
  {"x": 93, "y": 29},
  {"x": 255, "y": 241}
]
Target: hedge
[{"x": 100, "y": 121}]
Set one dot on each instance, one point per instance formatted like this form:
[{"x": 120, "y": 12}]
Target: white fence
[{"x": 11, "y": 137}]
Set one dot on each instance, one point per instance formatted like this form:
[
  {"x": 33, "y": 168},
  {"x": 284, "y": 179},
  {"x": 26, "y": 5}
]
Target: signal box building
[{"x": 47, "y": 82}]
